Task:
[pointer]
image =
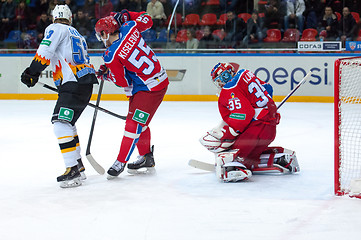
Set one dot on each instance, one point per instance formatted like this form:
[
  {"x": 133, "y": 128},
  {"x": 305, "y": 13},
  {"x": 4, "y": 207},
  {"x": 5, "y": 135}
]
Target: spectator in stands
[
  {"x": 72, "y": 5},
  {"x": 135, "y": 6},
  {"x": 294, "y": 15},
  {"x": 346, "y": 26},
  {"x": 208, "y": 40},
  {"x": 81, "y": 23},
  {"x": 192, "y": 42},
  {"x": 255, "y": 29},
  {"x": 328, "y": 25},
  {"x": 43, "y": 23},
  {"x": 156, "y": 11},
  {"x": 22, "y": 16},
  {"x": 7, "y": 16},
  {"x": 273, "y": 18},
  {"x": 103, "y": 8},
  {"x": 235, "y": 29},
  {"x": 52, "y": 4},
  {"x": 89, "y": 11},
  {"x": 122, "y": 4},
  {"x": 168, "y": 8},
  {"x": 312, "y": 13},
  {"x": 41, "y": 6},
  {"x": 172, "y": 43}
]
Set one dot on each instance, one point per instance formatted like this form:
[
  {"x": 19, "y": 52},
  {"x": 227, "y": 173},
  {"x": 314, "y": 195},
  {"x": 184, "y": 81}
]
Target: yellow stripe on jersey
[{"x": 66, "y": 150}]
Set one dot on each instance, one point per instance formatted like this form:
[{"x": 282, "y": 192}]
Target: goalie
[{"x": 249, "y": 119}]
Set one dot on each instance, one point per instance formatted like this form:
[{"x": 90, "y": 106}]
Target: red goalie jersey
[{"x": 245, "y": 99}]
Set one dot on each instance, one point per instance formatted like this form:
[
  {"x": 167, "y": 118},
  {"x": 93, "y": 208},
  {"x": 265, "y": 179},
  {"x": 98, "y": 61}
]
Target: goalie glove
[
  {"x": 219, "y": 139},
  {"x": 28, "y": 78}
]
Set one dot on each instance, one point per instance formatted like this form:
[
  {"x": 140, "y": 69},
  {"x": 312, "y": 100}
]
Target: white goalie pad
[
  {"x": 228, "y": 170},
  {"x": 285, "y": 162}
]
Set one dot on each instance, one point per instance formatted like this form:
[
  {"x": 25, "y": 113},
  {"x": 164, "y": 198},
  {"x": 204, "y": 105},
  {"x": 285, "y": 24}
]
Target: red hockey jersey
[
  {"x": 132, "y": 63},
  {"x": 245, "y": 99}
]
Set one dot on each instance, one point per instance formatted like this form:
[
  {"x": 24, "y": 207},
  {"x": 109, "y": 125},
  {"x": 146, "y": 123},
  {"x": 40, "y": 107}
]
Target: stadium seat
[
  {"x": 149, "y": 35},
  {"x": 359, "y": 36},
  {"x": 208, "y": 19},
  {"x": 273, "y": 35},
  {"x": 182, "y": 36},
  {"x": 191, "y": 19},
  {"x": 176, "y": 19},
  {"x": 244, "y": 16},
  {"x": 221, "y": 34},
  {"x": 14, "y": 36},
  {"x": 199, "y": 34},
  {"x": 222, "y": 19},
  {"x": 211, "y": 2},
  {"x": 338, "y": 16},
  {"x": 291, "y": 35},
  {"x": 163, "y": 35},
  {"x": 309, "y": 34},
  {"x": 356, "y": 16}
]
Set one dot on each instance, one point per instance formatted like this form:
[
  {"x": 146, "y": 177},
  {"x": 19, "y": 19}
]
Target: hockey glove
[
  {"x": 121, "y": 17},
  {"x": 219, "y": 139},
  {"x": 29, "y": 79}
]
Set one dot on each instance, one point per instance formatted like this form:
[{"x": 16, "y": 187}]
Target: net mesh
[{"x": 349, "y": 129}]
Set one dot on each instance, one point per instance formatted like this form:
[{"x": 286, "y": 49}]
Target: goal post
[{"x": 347, "y": 129}]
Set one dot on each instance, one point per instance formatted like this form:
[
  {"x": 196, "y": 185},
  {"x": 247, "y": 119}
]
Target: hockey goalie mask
[
  {"x": 62, "y": 12},
  {"x": 221, "y": 74},
  {"x": 107, "y": 25}
]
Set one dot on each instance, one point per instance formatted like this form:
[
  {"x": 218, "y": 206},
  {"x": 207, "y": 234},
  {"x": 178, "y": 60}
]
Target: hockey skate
[
  {"x": 143, "y": 165},
  {"x": 81, "y": 169},
  {"x": 116, "y": 169},
  {"x": 71, "y": 178},
  {"x": 288, "y": 162}
]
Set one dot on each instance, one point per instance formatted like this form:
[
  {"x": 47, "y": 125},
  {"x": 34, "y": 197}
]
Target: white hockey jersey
[{"x": 65, "y": 49}]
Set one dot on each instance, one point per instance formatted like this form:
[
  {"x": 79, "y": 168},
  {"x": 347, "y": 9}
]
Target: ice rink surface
[{"x": 178, "y": 202}]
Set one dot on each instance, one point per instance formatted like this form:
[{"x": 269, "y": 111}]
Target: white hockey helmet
[{"x": 62, "y": 12}]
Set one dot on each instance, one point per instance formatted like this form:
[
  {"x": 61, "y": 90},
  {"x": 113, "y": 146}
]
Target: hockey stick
[
  {"x": 89, "y": 104},
  {"x": 295, "y": 89},
  {"x": 90, "y": 158}
]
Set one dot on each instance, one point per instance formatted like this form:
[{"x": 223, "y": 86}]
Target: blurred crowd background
[{"x": 196, "y": 24}]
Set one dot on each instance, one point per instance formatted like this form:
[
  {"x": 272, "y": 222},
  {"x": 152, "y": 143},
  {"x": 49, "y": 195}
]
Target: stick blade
[
  {"x": 201, "y": 165},
  {"x": 95, "y": 165}
]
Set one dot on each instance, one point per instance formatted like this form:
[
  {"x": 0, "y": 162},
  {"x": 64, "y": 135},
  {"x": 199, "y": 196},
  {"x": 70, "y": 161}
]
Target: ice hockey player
[
  {"x": 66, "y": 51},
  {"x": 130, "y": 63},
  {"x": 249, "y": 119}
]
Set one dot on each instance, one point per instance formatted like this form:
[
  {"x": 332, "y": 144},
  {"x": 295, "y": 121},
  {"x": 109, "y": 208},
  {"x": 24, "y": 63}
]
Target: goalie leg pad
[
  {"x": 285, "y": 162},
  {"x": 228, "y": 170}
]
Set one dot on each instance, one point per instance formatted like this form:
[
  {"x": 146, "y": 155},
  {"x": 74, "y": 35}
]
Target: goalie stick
[
  {"x": 211, "y": 167},
  {"x": 89, "y": 104},
  {"x": 295, "y": 89},
  {"x": 90, "y": 158}
]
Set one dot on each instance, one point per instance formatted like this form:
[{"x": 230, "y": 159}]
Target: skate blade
[
  {"x": 110, "y": 177},
  {"x": 144, "y": 170},
  {"x": 82, "y": 176},
  {"x": 71, "y": 183}
]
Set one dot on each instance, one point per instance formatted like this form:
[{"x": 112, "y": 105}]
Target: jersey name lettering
[{"x": 129, "y": 44}]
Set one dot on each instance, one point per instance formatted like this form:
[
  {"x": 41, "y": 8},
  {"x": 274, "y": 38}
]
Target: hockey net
[{"x": 347, "y": 105}]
